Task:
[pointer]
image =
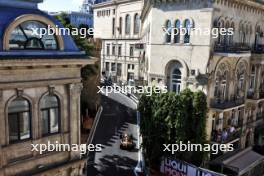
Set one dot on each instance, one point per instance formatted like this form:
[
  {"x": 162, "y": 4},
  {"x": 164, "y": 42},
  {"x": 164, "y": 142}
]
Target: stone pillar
[{"x": 74, "y": 116}]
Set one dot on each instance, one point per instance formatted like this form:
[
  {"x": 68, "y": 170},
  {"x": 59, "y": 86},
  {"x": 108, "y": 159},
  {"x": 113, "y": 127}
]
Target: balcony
[
  {"x": 234, "y": 48},
  {"x": 225, "y": 136},
  {"x": 218, "y": 104}
]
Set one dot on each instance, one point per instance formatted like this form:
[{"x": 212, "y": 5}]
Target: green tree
[
  {"x": 170, "y": 118},
  {"x": 90, "y": 73}
]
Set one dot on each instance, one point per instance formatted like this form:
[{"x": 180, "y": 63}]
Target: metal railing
[
  {"x": 233, "y": 48},
  {"x": 218, "y": 104},
  {"x": 218, "y": 138}
]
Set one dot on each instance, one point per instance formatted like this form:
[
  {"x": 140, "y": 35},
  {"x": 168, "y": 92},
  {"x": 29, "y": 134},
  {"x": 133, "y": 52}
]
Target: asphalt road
[{"x": 118, "y": 116}]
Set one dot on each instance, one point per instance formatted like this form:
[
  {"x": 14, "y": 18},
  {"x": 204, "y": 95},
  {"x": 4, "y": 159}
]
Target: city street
[{"x": 118, "y": 116}]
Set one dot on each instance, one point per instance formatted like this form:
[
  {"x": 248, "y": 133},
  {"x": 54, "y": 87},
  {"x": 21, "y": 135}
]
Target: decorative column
[{"x": 74, "y": 116}]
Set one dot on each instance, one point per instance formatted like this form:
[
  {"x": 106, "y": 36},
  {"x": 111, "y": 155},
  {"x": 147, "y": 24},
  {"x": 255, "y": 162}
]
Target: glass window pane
[
  {"x": 44, "y": 121},
  {"x": 13, "y": 127},
  {"x": 49, "y": 102},
  {"x": 17, "y": 39},
  {"x": 54, "y": 127},
  {"x": 18, "y": 105},
  {"x": 25, "y": 37},
  {"x": 24, "y": 125}
]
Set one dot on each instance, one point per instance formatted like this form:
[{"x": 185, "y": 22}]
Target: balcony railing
[
  {"x": 234, "y": 48},
  {"x": 218, "y": 104},
  {"x": 225, "y": 136}
]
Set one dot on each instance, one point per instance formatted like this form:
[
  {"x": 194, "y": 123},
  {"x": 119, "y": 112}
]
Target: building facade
[
  {"x": 182, "y": 45},
  {"x": 118, "y": 24},
  {"x": 228, "y": 68},
  {"x": 40, "y": 86}
]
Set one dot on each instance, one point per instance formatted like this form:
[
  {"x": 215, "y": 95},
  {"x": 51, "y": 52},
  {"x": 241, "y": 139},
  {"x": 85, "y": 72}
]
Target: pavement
[{"x": 118, "y": 116}]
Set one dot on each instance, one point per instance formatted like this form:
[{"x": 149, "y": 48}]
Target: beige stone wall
[
  {"x": 200, "y": 54},
  {"x": 32, "y": 80}
]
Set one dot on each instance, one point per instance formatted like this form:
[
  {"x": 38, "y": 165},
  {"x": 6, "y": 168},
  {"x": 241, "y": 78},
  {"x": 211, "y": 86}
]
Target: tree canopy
[{"x": 169, "y": 118}]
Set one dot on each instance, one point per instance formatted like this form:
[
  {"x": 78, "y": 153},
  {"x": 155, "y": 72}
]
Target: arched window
[
  {"x": 243, "y": 34},
  {"x": 136, "y": 24},
  {"x": 50, "y": 115},
  {"x": 217, "y": 84},
  {"x": 221, "y": 81},
  {"x": 187, "y": 30},
  {"x": 221, "y": 39},
  {"x": 177, "y": 31},
  {"x": 19, "y": 120},
  {"x": 176, "y": 80},
  {"x": 128, "y": 23},
  {"x": 257, "y": 37},
  {"x": 231, "y": 37},
  {"x": 241, "y": 81},
  {"x": 168, "y": 31},
  {"x": 27, "y": 35},
  {"x": 226, "y": 37},
  {"x": 223, "y": 87},
  {"x": 120, "y": 25},
  {"x": 252, "y": 77}
]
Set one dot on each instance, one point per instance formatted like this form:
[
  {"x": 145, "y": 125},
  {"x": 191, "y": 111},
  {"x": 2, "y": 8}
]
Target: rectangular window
[
  {"x": 50, "y": 124},
  {"x": 128, "y": 66},
  {"x": 19, "y": 126},
  {"x": 131, "y": 50},
  {"x": 113, "y": 49},
  {"x": 113, "y": 67},
  {"x": 108, "y": 49},
  {"x": 113, "y": 26},
  {"x": 119, "y": 50},
  {"x": 252, "y": 77},
  {"x": 133, "y": 66},
  {"x": 107, "y": 66},
  {"x": 119, "y": 69}
]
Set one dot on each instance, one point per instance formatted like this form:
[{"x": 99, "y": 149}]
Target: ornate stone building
[
  {"x": 118, "y": 24},
  {"x": 228, "y": 68},
  {"x": 40, "y": 86}
]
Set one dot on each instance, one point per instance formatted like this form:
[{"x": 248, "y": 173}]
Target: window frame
[
  {"x": 29, "y": 111},
  {"x": 128, "y": 25},
  {"x": 58, "y": 107}
]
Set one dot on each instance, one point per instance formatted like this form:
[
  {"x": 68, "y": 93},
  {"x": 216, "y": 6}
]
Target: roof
[
  {"x": 244, "y": 160},
  {"x": 9, "y": 14}
]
